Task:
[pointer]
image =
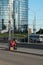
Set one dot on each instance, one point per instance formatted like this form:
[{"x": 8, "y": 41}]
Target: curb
[
  {"x": 6, "y": 49},
  {"x": 28, "y": 53}
]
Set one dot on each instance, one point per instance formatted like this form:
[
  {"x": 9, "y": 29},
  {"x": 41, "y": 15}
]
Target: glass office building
[
  {"x": 4, "y": 12},
  {"x": 20, "y": 13},
  {"x": 0, "y": 15},
  {"x": 15, "y": 13},
  {"x": 23, "y": 14}
]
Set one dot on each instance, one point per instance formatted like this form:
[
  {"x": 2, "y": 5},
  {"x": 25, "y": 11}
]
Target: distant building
[
  {"x": 4, "y": 12},
  {"x": 29, "y": 31},
  {"x": 0, "y": 15},
  {"x": 16, "y": 11},
  {"x": 21, "y": 13}
]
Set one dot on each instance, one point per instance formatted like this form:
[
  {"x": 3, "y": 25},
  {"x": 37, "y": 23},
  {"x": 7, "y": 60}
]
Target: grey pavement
[{"x": 32, "y": 51}]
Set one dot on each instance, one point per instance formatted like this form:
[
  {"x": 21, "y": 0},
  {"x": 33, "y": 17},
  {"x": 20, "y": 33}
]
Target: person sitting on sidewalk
[{"x": 13, "y": 43}]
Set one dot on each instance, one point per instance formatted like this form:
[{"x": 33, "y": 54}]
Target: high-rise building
[
  {"x": 0, "y": 15},
  {"x": 4, "y": 11},
  {"x": 17, "y": 8},
  {"x": 23, "y": 14},
  {"x": 15, "y": 13}
]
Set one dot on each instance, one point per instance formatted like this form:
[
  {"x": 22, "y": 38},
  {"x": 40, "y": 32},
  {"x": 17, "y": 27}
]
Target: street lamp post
[
  {"x": 9, "y": 28},
  {"x": 11, "y": 24},
  {"x": 34, "y": 23}
]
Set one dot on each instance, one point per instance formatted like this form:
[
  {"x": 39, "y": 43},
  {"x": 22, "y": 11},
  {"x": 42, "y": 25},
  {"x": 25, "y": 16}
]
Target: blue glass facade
[
  {"x": 4, "y": 12},
  {"x": 23, "y": 13},
  {"x": 20, "y": 12},
  {"x": 15, "y": 10},
  {"x": 0, "y": 15}
]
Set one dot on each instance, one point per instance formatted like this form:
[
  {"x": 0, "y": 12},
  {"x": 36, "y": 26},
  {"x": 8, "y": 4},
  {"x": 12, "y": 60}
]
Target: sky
[{"x": 35, "y": 9}]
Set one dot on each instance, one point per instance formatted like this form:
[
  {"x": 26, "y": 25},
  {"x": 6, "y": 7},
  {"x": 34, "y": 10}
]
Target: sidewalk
[
  {"x": 30, "y": 51},
  {"x": 38, "y": 52}
]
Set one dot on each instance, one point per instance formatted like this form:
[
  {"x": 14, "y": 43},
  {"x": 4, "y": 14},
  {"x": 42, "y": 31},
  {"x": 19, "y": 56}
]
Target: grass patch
[{"x": 14, "y": 35}]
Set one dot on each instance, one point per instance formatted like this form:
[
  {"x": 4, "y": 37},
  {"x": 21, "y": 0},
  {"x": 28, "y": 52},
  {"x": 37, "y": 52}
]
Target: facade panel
[
  {"x": 23, "y": 13},
  {"x": 15, "y": 11},
  {"x": 4, "y": 11},
  {"x": 17, "y": 8}
]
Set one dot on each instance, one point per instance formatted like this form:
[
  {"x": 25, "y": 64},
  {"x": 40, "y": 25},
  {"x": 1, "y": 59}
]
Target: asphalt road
[{"x": 14, "y": 58}]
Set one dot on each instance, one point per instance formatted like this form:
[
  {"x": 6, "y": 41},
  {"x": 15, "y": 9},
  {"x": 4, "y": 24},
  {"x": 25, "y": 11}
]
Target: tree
[{"x": 40, "y": 31}]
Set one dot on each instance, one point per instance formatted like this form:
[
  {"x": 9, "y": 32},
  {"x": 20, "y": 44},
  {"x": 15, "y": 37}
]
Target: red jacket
[{"x": 13, "y": 43}]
